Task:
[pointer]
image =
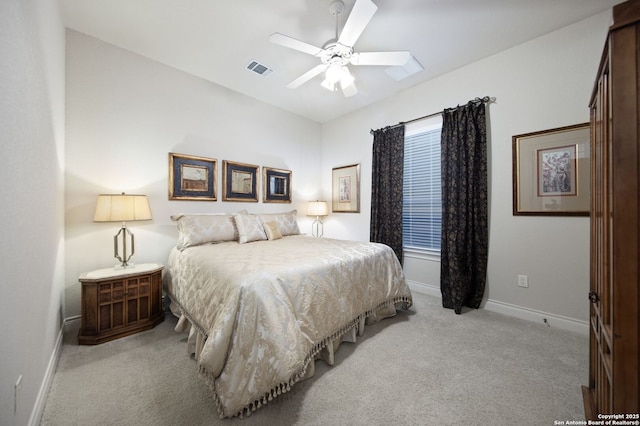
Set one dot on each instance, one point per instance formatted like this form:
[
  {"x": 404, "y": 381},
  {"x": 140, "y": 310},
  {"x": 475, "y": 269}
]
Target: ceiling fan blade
[
  {"x": 380, "y": 58},
  {"x": 361, "y": 14},
  {"x": 292, "y": 43},
  {"x": 307, "y": 76},
  {"x": 349, "y": 90}
]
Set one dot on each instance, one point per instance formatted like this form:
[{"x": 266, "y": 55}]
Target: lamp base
[
  {"x": 124, "y": 259},
  {"x": 317, "y": 229},
  {"x": 120, "y": 266}
]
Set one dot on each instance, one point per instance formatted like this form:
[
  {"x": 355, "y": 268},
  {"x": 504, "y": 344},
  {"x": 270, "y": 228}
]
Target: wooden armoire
[{"x": 614, "y": 376}]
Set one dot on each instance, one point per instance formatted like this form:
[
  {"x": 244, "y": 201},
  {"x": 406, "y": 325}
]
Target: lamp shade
[
  {"x": 121, "y": 208},
  {"x": 317, "y": 208}
]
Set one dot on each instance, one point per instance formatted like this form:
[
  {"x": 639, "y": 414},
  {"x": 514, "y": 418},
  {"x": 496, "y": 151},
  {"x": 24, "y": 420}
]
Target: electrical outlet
[
  {"x": 523, "y": 281},
  {"x": 16, "y": 390}
]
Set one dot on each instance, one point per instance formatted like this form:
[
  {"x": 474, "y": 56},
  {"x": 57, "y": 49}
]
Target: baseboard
[
  {"x": 71, "y": 320},
  {"x": 552, "y": 320},
  {"x": 423, "y": 288},
  {"x": 41, "y": 399}
]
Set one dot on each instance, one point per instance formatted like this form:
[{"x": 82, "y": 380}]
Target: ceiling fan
[{"x": 338, "y": 52}]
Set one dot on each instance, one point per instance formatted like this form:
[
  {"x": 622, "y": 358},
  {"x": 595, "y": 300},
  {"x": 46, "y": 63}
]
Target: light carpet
[{"x": 425, "y": 366}]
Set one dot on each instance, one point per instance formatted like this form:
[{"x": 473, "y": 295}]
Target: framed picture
[
  {"x": 192, "y": 178},
  {"x": 551, "y": 172},
  {"x": 239, "y": 182},
  {"x": 346, "y": 189},
  {"x": 276, "y": 185}
]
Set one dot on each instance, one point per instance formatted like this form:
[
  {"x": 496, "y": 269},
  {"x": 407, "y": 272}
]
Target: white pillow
[
  {"x": 287, "y": 222},
  {"x": 197, "y": 229},
  {"x": 249, "y": 228}
]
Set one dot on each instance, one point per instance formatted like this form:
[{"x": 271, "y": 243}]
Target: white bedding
[{"x": 266, "y": 309}]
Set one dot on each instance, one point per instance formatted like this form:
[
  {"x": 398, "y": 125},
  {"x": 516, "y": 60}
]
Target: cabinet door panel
[
  {"x": 144, "y": 308},
  {"x": 118, "y": 314},
  {"x": 117, "y": 290},
  {"x": 132, "y": 311},
  {"x": 105, "y": 318}
]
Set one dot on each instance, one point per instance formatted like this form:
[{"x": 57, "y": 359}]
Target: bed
[{"x": 262, "y": 302}]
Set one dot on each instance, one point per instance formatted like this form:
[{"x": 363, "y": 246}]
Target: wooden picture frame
[
  {"x": 192, "y": 178},
  {"x": 551, "y": 172},
  {"x": 276, "y": 185},
  {"x": 239, "y": 182},
  {"x": 346, "y": 189}
]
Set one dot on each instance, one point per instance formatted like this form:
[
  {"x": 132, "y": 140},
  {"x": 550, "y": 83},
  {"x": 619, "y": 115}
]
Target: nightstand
[{"x": 119, "y": 302}]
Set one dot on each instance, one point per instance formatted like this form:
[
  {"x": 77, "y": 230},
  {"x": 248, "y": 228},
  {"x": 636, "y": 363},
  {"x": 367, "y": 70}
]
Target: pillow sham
[
  {"x": 198, "y": 229},
  {"x": 249, "y": 228},
  {"x": 287, "y": 222},
  {"x": 272, "y": 230}
]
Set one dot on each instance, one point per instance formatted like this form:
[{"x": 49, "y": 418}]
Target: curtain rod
[{"x": 485, "y": 99}]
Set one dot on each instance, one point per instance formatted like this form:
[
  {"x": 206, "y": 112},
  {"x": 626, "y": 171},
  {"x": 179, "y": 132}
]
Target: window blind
[{"x": 422, "y": 194}]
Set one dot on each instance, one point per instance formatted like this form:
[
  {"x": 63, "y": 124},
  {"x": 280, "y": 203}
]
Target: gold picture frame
[
  {"x": 276, "y": 185},
  {"x": 192, "y": 177},
  {"x": 239, "y": 182},
  {"x": 346, "y": 189},
  {"x": 551, "y": 172}
]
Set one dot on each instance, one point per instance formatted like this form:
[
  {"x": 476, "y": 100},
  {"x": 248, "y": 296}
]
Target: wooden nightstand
[{"x": 120, "y": 302}]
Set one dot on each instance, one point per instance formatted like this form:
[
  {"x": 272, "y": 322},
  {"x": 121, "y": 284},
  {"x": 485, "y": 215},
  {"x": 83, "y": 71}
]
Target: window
[{"x": 422, "y": 194}]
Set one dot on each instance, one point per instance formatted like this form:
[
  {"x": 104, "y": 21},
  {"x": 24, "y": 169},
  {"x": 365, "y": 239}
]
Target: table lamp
[
  {"x": 122, "y": 208},
  {"x": 317, "y": 209}
]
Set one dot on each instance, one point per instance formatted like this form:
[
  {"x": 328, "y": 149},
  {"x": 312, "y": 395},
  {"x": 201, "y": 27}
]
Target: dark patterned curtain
[
  {"x": 465, "y": 237},
  {"x": 386, "y": 188}
]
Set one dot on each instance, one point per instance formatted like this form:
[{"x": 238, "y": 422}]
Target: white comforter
[{"x": 267, "y": 308}]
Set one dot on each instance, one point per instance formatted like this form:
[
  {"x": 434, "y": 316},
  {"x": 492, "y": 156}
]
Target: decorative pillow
[
  {"x": 287, "y": 222},
  {"x": 197, "y": 229},
  {"x": 272, "y": 230},
  {"x": 249, "y": 228}
]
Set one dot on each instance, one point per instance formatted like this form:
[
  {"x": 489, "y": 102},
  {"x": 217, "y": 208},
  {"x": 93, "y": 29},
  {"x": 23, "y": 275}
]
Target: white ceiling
[{"x": 216, "y": 40}]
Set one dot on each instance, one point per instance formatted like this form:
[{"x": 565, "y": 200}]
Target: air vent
[{"x": 259, "y": 68}]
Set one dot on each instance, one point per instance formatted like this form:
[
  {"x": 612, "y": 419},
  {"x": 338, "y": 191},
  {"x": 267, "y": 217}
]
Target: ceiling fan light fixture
[
  {"x": 337, "y": 73},
  {"x": 348, "y": 87},
  {"x": 346, "y": 78},
  {"x": 329, "y": 85},
  {"x": 334, "y": 73}
]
